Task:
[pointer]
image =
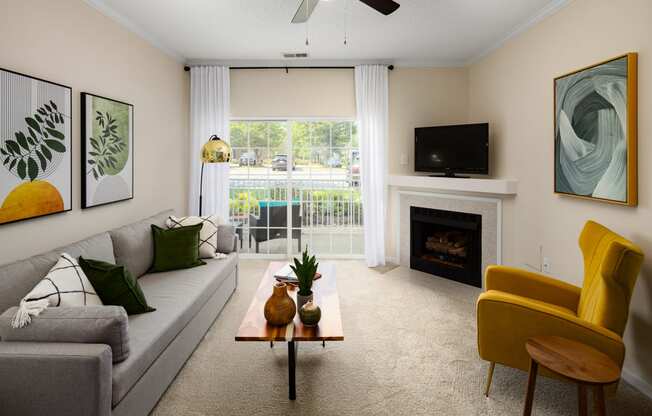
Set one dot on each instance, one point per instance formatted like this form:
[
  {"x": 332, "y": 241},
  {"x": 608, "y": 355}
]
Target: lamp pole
[{"x": 201, "y": 188}]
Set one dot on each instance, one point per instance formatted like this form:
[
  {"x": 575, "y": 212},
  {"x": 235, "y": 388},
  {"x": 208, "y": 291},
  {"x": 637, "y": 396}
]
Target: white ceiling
[{"x": 420, "y": 32}]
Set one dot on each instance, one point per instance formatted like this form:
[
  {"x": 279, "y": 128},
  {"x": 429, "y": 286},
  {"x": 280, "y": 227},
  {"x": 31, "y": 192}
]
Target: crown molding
[
  {"x": 108, "y": 11},
  {"x": 550, "y": 9}
]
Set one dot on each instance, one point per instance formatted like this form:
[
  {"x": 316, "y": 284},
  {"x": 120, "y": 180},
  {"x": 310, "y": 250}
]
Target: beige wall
[
  {"x": 69, "y": 42},
  {"x": 512, "y": 88},
  {"x": 420, "y": 97},
  {"x": 298, "y": 93}
]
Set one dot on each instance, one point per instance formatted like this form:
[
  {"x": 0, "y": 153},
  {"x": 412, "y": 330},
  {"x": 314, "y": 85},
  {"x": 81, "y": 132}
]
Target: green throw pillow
[
  {"x": 115, "y": 286},
  {"x": 176, "y": 248}
]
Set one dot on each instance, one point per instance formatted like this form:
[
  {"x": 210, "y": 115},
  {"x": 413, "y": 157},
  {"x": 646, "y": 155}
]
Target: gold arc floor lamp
[{"x": 215, "y": 150}]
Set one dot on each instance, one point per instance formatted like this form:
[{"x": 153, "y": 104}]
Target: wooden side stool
[{"x": 574, "y": 361}]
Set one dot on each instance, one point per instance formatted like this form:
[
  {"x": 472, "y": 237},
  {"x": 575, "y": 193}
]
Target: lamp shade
[{"x": 216, "y": 150}]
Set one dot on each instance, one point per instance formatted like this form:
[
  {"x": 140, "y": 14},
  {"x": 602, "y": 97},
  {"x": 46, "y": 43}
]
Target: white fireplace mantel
[{"x": 496, "y": 187}]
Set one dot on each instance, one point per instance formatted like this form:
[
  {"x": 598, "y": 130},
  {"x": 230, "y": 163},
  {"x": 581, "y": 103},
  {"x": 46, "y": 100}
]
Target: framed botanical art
[
  {"x": 35, "y": 147},
  {"x": 107, "y": 150},
  {"x": 596, "y": 131}
]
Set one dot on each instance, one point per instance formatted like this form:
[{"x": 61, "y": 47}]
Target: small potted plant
[{"x": 305, "y": 271}]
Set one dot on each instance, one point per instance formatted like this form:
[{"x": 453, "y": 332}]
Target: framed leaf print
[
  {"x": 107, "y": 150},
  {"x": 35, "y": 147}
]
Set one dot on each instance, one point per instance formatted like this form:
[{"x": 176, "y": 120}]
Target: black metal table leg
[{"x": 292, "y": 356}]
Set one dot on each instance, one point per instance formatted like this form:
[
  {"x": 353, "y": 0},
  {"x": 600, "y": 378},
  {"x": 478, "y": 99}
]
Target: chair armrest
[
  {"x": 507, "y": 321},
  {"x": 532, "y": 285},
  {"x": 67, "y": 378}
]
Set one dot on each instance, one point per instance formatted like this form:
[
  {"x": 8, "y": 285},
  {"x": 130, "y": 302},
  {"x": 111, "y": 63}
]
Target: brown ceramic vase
[{"x": 280, "y": 308}]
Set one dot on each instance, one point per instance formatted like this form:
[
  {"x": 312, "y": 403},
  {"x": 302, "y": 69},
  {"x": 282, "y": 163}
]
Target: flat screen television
[{"x": 453, "y": 149}]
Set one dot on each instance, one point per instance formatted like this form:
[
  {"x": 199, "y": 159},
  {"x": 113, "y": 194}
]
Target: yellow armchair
[{"x": 518, "y": 304}]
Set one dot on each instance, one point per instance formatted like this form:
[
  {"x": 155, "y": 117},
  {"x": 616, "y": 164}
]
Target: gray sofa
[{"x": 71, "y": 379}]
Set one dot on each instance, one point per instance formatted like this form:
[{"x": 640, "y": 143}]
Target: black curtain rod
[{"x": 287, "y": 68}]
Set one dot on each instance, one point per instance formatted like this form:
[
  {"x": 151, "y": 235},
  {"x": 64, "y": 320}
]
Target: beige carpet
[{"x": 409, "y": 349}]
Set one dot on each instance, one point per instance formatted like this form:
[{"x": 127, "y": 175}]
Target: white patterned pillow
[
  {"x": 207, "y": 235},
  {"x": 64, "y": 285}
]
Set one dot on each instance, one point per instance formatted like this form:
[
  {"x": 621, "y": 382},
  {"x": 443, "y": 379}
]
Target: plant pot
[
  {"x": 302, "y": 300},
  {"x": 310, "y": 314},
  {"x": 280, "y": 308}
]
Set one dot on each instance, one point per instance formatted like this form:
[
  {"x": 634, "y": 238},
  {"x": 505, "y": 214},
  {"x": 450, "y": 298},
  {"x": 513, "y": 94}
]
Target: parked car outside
[
  {"x": 355, "y": 168},
  {"x": 280, "y": 162},
  {"x": 247, "y": 159},
  {"x": 334, "y": 161}
]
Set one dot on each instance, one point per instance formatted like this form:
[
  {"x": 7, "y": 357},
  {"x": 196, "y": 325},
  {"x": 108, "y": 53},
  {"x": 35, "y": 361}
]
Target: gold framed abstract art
[{"x": 596, "y": 132}]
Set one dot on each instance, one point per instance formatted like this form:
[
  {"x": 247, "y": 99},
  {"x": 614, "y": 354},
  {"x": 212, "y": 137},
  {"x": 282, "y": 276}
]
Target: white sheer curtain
[
  {"x": 209, "y": 114},
  {"x": 372, "y": 99}
]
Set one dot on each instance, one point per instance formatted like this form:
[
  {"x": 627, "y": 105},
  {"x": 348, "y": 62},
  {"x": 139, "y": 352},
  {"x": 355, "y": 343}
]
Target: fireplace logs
[{"x": 448, "y": 242}]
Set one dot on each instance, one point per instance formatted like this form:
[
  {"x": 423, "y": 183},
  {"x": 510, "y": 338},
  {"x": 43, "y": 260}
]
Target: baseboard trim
[{"x": 638, "y": 383}]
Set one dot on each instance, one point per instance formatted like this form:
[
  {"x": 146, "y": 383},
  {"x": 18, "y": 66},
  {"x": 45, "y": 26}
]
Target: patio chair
[{"x": 276, "y": 211}]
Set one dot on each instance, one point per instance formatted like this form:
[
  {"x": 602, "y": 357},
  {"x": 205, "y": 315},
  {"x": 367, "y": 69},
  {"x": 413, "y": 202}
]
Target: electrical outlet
[
  {"x": 404, "y": 159},
  {"x": 546, "y": 265}
]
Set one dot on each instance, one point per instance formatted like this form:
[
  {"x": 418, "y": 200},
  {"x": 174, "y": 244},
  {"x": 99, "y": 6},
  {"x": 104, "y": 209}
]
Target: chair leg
[
  {"x": 257, "y": 247},
  {"x": 598, "y": 401},
  {"x": 581, "y": 400},
  {"x": 531, "y": 382},
  {"x": 490, "y": 375}
]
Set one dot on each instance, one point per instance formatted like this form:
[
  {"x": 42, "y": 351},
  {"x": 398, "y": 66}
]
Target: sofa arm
[
  {"x": 507, "y": 321},
  {"x": 40, "y": 378},
  {"x": 532, "y": 285}
]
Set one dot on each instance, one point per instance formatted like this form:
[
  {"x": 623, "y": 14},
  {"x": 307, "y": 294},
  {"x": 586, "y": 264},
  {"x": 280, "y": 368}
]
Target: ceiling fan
[{"x": 306, "y": 8}]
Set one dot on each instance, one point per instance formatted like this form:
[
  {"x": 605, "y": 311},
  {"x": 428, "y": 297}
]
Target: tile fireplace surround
[
  {"x": 489, "y": 208},
  {"x": 488, "y": 205}
]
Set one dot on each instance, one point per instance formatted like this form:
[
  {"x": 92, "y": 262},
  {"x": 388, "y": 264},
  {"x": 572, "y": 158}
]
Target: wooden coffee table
[
  {"x": 254, "y": 327},
  {"x": 575, "y": 362}
]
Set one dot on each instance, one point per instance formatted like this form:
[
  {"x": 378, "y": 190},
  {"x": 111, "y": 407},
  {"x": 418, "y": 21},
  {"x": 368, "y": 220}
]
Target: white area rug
[{"x": 409, "y": 349}]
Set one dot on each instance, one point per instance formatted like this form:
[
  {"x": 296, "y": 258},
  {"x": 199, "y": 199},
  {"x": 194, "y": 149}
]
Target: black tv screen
[{"x": 454, "y": 149}]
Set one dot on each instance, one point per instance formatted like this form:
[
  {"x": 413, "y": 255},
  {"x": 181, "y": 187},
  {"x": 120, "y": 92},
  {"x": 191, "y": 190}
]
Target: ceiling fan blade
[
  {"x": 304, "y": 11},
  {"x": 383, "y": 6}
]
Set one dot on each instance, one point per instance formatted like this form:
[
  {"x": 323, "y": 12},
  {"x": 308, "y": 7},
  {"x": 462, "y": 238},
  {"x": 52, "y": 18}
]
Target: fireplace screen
[{"x": 446, "y": 244}]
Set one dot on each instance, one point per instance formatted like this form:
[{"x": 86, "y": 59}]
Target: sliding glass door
[{"x": 296, "y": 183}]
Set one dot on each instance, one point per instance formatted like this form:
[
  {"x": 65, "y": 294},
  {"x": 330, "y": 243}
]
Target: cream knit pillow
[
  {"x": 207, "y": 235},
  {"x": 64, "y": 285}
]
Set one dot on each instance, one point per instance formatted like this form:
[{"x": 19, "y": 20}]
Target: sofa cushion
[
  {"x": 64, "y": 285},
  {"x": 115, "y": 285},
  {"x": 176, "y": 248},
  {"x": 207, "y": 235},
  {"x": 133, "y": 244},
  {"x": 18, "y": 278},
  {"x": 77, "y": 324},
  {"x": 178, "y": 296}
]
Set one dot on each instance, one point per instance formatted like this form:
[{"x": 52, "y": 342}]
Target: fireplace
[{"x": 446, "y": 244}]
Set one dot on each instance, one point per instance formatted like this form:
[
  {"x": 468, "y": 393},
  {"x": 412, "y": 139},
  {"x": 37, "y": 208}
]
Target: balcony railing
[{"x": 323, "y": 203}]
